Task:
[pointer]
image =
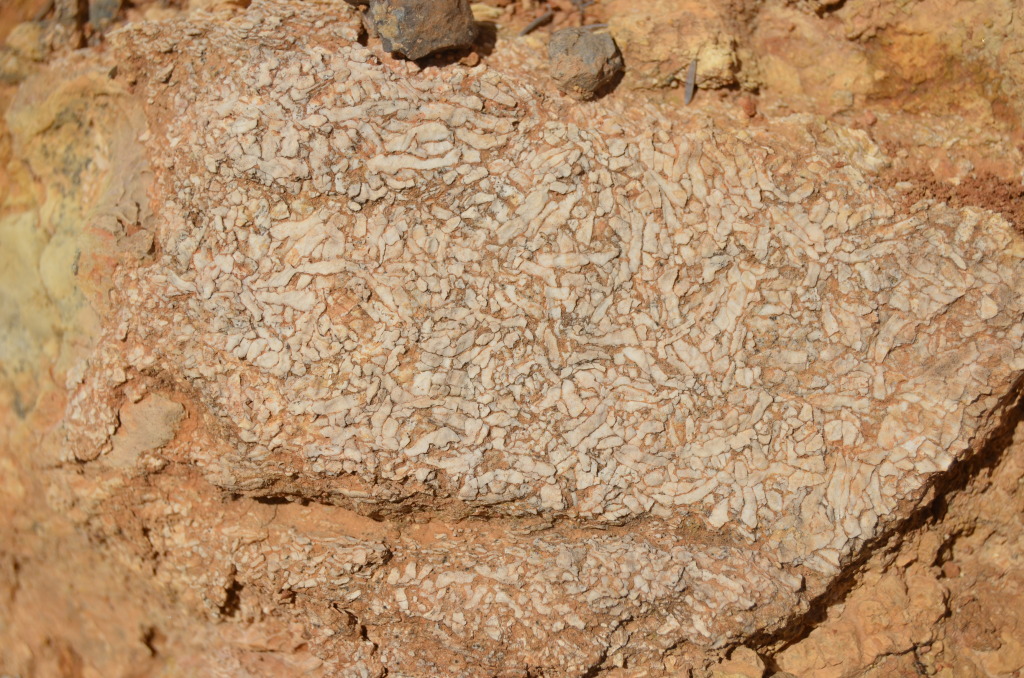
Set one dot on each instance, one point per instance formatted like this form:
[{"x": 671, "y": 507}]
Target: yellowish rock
[
  {"x": 742, "y": 663},
  {"x": 660, "y": 38}
]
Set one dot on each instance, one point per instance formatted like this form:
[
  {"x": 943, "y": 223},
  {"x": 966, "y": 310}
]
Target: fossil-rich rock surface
[
  {"x": 943, "y": 600},
  {"x": 368, "y": 368}
]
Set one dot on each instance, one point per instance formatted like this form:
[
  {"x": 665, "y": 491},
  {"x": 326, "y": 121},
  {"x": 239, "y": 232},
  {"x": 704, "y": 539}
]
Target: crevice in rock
[
  {"x": 597, "y": 667},
  {"x": 956, "y": 479},
  {"x": 152, "y": 638},
  {"x": 423, "y": 507},
  {"x": 278, "y": 499},
  {"x": 233, "y": 600},
  {"x": 416, "y": 509}
]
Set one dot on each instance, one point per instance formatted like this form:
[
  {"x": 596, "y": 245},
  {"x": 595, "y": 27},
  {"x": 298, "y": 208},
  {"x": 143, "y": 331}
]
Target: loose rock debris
[
  {"x": 418, "y": 28},
  {"x": 583, "y": 62}
]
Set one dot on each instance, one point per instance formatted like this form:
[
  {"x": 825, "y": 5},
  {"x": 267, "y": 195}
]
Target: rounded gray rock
[
  {"x": 418, "y": 28},
  {"x": 583, "y": 62}
]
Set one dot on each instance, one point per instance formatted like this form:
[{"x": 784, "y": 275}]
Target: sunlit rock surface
[{"x": 467, "y": 378}]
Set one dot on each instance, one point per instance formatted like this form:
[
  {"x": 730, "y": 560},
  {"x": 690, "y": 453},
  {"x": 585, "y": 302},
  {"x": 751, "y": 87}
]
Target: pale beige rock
[
  {"x": 28, "y": 40},
  {"x": 144, "y": 426},
  {"x": 709, "y": 402},
  {"x": 949, "y": 604}
]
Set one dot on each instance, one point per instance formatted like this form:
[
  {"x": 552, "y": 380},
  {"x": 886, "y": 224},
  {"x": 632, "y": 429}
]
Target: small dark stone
[
  {"x": 102, "y": 13},
  {"x": 417, "y": 28},
  {"x": 583, "y": 62}
]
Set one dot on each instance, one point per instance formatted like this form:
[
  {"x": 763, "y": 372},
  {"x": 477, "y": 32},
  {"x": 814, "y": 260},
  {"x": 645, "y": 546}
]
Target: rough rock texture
[
  {"x": 583, "y": 62},
  {"x": 742, "y": 663},
  {"x": 947, "y": 600},
  {"x": 383, "y": 310},
  {"x": 913, "y": 52},
  {"x": 660, "y": 38},
  {"x": 419, "y": 371},
  {"x": 418, "y": 28},
  {"x": 954, "y": 63}
]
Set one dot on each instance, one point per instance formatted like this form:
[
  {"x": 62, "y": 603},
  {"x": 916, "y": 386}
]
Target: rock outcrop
[{"x": 420, "y": 370}]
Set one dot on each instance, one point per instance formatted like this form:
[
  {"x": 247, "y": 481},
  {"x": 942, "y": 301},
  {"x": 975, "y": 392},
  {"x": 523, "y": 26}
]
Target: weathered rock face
[
  {"x": 660, "y": 38},
  {"x": 467, "y": 383},
  {"x": 942, "y": 600},
  {"x": 910, "y": 54}
]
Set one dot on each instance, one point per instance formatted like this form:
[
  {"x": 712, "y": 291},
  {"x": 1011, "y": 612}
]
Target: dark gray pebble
[
  {"x": 583, "y": 62},
  {"x": 102, "y": 13},
  {"x": 417, "y": 28}
]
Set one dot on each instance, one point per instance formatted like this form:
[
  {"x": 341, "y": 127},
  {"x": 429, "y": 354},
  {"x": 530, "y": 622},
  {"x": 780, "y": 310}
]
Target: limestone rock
[
  {"x": 405, "y": 291},
  {"x": 660, "y": 38},
  {"x": 792, "y": 47},
  {"x": 742, "y": 663},
  {"x": 875, "y": 50},
  {"x": 28, "y": 40},
  {"x": 946, "y": 598},
  {"x": 144, "y": 426},
  {"x": 417, "y": 28},
  {"x": 481, "y": 383},
  {"x": 889, "y": 615},
  {"x": 583, "y": 62}
]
